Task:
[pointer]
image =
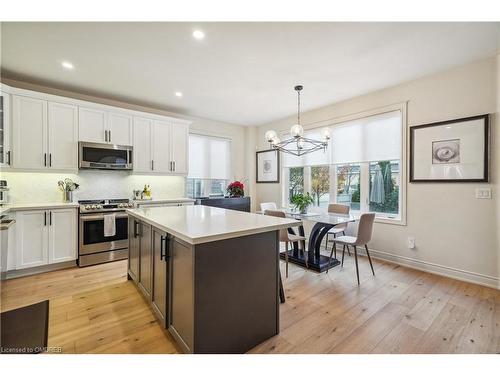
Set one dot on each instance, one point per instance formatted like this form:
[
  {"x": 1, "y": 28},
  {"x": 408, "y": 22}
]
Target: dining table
[{"x": 311, "y": 257}]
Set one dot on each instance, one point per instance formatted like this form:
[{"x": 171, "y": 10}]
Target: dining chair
[
  {"x": 286, "y": 237},
  {"x": 365, "y": 230},
  {"x": 268, "y": 206},
  {"x": 340, "y": 209}
]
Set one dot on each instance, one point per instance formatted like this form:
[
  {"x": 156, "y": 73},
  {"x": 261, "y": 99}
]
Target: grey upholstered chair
[
  {"x": 365, "y": 230},
  {"x": 285, "y": 236},
  {"x": 340, "y": 209}
]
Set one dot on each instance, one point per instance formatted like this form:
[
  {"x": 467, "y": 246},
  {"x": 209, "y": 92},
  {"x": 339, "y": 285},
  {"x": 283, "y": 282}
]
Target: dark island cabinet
[
  {"x": 133, "y": 249},
  {"x": 140, "y": 255},
  {"x": 160, "y": 292},
  {"x": 145, "y": 258},
  {"x": 213, "y": 297}
]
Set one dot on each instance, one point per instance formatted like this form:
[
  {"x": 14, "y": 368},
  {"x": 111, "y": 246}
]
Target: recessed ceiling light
[
  {"x": 198, "y": 34},
  {"x": 67, "y": 65},
  {"x": 178, "y": 94}
]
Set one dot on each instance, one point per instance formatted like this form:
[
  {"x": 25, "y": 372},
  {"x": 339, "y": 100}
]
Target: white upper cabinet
[
  {"x": 5, "y": 121},
  {"x": 45, "y": 135},
  {"x": 45, "y": 130},
  {"x": 92, "y": 125},
  {"x": 161, "y": 147},
  {"x": 63, "y": 236},
  {"x": 29, "y": 133},
  {"x": 120, "y": 129},
  {"x": 63, "y": 136},
  {"x": 101, "y": 126},
  {"x": 143, "y": 155},
  {"x": 179, "y": 148}
]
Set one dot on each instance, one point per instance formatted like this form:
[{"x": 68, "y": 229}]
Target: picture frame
[
  {"x": 267, "y": 166},
  {"x": 451, "y": 151}
]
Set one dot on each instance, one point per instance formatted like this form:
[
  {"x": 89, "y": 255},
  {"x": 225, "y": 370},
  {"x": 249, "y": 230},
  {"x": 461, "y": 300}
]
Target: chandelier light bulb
[
  {"x": 270, "y": 135},
  {"x": 326, "y": 134},
  {"x": 275, "y": 141},
  {"x": 297, "y": 131}
]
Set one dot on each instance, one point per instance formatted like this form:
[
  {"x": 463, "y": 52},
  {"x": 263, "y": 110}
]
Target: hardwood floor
[{"x": 400, "y": 310}]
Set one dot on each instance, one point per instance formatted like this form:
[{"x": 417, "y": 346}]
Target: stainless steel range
[{"x": 94, "y": 246}]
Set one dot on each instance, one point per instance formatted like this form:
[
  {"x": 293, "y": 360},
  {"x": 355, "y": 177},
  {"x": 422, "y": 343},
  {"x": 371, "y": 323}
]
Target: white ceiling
[{"x": 241, "y": 73}]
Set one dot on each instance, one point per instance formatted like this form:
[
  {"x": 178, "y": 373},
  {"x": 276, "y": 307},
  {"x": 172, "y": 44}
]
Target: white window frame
[{"x": 364, "y": 170}]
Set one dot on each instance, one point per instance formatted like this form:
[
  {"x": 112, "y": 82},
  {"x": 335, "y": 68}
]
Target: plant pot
[{"x": 67, "y": 196}]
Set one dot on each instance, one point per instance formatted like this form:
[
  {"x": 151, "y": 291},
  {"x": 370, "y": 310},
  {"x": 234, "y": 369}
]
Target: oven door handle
[{"x": 99, "y": 217}]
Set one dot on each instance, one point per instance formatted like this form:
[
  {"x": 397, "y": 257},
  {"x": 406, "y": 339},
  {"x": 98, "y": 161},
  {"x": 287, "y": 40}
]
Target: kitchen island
[{"x": 211, "y": 275}]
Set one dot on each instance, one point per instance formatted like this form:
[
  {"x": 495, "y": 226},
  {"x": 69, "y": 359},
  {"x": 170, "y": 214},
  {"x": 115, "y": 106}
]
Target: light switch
[{"x": 483, "y": 193}]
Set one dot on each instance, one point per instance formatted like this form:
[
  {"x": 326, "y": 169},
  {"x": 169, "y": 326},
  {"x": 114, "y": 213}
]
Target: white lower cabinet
[
  {"x": 63, "y": 235},
  {"x": 45, "y": 237},
  {"x": 31, "y": 239}
]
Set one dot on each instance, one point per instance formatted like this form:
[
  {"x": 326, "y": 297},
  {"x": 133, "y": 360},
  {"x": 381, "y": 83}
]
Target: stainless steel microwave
[{"x": 104, "y": 156}]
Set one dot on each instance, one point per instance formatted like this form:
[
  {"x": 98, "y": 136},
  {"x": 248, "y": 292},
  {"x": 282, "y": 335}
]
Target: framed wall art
[
  {"x": 450, "y": 151},
  {"x": 268, "y": 166}
]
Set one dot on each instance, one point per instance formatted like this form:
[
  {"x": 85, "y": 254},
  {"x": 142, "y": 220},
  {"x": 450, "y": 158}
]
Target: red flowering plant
[{"x": 235, "y": 189}]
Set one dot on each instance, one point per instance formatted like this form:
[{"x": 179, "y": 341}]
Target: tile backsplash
[{"x": 42, "y": 187}]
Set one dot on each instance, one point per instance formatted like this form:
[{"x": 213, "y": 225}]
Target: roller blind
[
  {"x": 314, "y": 158},
  {"x": 209, "y": 157},
  {"x": 367, "y": 139}
]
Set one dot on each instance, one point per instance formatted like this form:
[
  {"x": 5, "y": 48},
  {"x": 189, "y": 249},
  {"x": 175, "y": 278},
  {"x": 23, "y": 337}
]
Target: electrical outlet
[
  {"x": 483, "y": 193},
  {"x": 411, "y": 242}
]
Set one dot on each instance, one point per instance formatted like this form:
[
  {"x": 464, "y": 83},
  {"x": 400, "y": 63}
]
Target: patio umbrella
[
  {"x": 377, "y": 194},
  {"x": 388, "y": 183}
]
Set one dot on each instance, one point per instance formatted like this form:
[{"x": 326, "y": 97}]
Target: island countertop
[{"x": 200, "y": 224}]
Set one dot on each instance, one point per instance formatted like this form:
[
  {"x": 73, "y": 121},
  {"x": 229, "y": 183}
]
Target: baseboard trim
[
  {"x": 13, "y": 274},
  {"x": 454, "y": 273}
]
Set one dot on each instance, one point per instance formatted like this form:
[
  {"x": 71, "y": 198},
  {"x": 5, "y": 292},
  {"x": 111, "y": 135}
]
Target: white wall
[{"x": 455, "y": 233}]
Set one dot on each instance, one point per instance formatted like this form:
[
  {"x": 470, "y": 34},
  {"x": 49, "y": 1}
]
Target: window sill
[
  {"x": 383, "y": 219},
  {"x": 392, "y": 221}
]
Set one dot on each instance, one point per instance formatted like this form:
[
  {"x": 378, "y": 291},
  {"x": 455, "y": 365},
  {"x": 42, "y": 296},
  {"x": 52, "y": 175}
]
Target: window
[
  {"x": 362, "y": 167},
  {"x": 384, "y": 187},
  {"x": 209, "y": 166},
  {"x": 348, "y": 185},
  {"x": 295, "y": 182},
  {"x": 320, "y": 185}
]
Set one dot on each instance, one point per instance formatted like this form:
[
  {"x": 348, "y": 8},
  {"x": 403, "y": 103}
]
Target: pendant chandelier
[{"x": 297, "y": 145}]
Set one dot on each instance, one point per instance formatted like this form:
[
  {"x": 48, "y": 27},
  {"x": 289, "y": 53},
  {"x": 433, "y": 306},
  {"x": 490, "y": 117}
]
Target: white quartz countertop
[
  {"x": 200, "y": 224},
  {"x": 35, "y": 206},
  {"x": 159, "y": 201}
]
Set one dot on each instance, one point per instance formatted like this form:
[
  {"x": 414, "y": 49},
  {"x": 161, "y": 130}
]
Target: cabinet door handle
[
  {"x": 162, "y": 255},
  {"x": 152, "y": 165},
  {"x": 50, "y": 218},
  {"x": 50, "y": 160},
  {"x": 174, "y": 166},
  {"x": 109, "y": 135},
  {"x": 105, "y": 135},
  {"x": 44, "y": 218},
  {"x": 8, "y": 157},
  {"x": 136, "y": 228},
  {"x": 45, "y": 159}
]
